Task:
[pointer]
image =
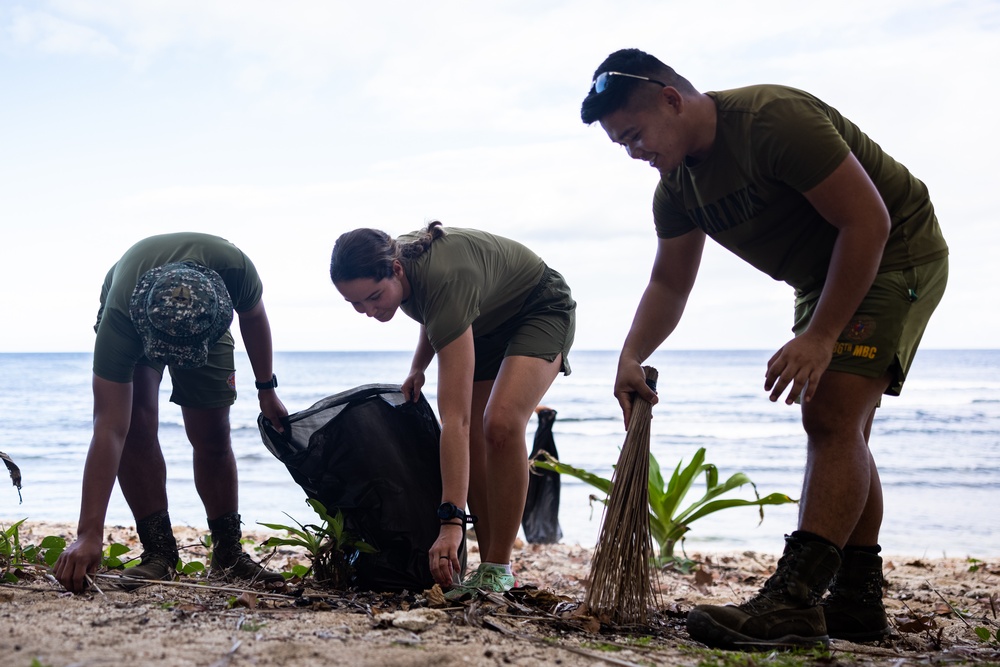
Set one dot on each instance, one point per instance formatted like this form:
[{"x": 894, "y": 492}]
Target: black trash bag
[
  {"x": 541, "y": 509},
  {"x": 376, "y": 457}
]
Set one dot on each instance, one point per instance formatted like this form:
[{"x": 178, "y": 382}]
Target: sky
[{"x": 280, "y": 126}]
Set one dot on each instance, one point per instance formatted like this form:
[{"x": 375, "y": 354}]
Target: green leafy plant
[
  {"x": 987, "y": 636},
  {"x": 300, "y": 571},
  {"x": 50, "y": 548},
  {"x": 193, "y": 568},
  {"x": 667, "y": 521},
  {"x": 332, "y": 550},
  {"x": 111, "y": 557},
  {"x": 44, "y": 553},
  {"x": 13, "y": 554}
]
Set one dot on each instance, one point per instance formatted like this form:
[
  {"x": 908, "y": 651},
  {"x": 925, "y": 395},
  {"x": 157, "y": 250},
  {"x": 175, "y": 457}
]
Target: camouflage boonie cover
[{"x": 180, "y": 309}]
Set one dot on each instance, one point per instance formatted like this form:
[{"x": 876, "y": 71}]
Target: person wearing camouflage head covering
[
  {"x": 180, "y": 310},
  {"x": 168, "y": 303}
]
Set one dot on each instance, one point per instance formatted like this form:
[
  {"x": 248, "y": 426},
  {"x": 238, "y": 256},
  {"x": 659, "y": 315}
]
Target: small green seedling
[
  {"x": 667, "y": 521},
  {"x": 45, "y": 553},
  {"x": 51, "y": 547},
  {"x": 194, "y": 568},
  {"x": 13, "y": 554},
  {"x": 332, "y": 550},
  {"x": 300, "y": 571},
  {"x": 987, "y": 636},
  {"x": 111, "y": 558}
]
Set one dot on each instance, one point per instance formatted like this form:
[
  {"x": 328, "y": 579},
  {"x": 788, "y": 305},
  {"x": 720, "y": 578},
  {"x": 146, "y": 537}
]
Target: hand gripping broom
[{"x": 620, "y": 589}]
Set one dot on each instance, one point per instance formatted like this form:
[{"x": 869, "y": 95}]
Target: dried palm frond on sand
[{"x": 621, "y": 591}]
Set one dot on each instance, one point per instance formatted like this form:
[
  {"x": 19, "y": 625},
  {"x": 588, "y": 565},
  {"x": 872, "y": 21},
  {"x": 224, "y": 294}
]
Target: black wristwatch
[
  {"x": 451, "y": 511},
  {"x": 270, "y": 384},
  {"x": 448, "y": 511}
]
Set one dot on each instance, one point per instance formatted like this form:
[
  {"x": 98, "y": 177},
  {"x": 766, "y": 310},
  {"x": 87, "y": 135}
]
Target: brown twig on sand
[
  {"x": 957, "y": 613},
  {"x": 620, "y": 587},
  {"x": 132, "y": 583},
  {"x": 92, "y": 583}
]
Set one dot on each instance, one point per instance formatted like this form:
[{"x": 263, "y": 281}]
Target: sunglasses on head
[{"x": 600, "y": 84}]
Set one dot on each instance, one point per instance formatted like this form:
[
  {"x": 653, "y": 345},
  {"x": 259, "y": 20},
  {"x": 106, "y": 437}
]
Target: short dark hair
[{"x": 628, "y": 61}]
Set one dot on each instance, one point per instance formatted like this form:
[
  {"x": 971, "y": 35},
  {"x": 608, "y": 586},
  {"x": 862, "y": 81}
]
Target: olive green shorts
[
  {"x": 210, "y": 386},
  {"x": 884, "y": 333},
  {"x": 544, "y": 328}
]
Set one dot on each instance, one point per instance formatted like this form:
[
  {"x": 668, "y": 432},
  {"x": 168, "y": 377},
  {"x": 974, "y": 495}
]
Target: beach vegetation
[
  {"x": 331, "y": 549},
  {"x": 46, "y": 552},
  {"x": 14, "y": 554},
  {"x": 988, "y": 636},
  {"x": 669, "y": 520},
  {"x": 111, "y": 558},
  {"x": 192, "y": 568},
  {"x": 11, "y": 554}
]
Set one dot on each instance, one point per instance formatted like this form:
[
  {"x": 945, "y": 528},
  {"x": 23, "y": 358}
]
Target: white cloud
[
  {"x": 54, "y": 35},
  {"x": 280, "y": 125}
]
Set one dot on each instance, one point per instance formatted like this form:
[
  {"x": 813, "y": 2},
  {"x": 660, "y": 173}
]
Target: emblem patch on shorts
[
  {"x": 232, "y": 381},
  {"x": 859, "y": 329}
]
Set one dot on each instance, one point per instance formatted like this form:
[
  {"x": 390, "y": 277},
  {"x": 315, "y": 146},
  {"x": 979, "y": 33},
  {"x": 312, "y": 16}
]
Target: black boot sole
[
  {"x": 862, "y": 637},
  {"x": 705, "y": 629}
]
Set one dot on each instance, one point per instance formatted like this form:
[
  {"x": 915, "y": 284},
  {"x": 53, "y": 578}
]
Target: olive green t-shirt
[
  {"x": 773, "y": 143},
  {"x": 118, "y": 346},
  {"x": 468, "y": 278}
]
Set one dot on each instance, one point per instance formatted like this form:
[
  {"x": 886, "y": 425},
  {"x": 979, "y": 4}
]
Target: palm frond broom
[{"x": 621, "y": 591}]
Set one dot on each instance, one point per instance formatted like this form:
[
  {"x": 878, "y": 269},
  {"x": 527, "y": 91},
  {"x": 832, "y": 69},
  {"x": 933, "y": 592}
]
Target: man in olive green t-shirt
[
  {"x": 168, "y": 302},
  {"x": 787, "y": 183}
]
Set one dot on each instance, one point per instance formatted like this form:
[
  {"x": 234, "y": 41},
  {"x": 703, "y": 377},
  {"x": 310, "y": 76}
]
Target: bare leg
[
  {"x": 841, "y": 494},
  {"x": 215, "y": 475},
  {"x": 142, "y": 472},
  {"x": 477, "y": 465},
  {"x": 519, "y": 387},
  {"x": 866, "y": 531}
]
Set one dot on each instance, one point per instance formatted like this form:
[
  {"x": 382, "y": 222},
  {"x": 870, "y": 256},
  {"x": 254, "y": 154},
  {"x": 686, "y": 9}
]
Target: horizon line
[{"x": 396, "y": 351}]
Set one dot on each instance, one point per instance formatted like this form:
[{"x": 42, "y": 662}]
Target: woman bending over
[{"x": 501, "y": 323}]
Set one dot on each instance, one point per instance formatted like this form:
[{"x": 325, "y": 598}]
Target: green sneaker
[{"x": 489, "y": 578}]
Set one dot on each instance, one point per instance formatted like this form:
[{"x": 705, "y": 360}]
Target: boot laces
[{"x": 774, "y": 592}]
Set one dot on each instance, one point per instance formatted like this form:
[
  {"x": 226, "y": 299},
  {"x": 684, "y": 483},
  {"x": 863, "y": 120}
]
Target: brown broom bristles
[{"x": 621, "y": 591}]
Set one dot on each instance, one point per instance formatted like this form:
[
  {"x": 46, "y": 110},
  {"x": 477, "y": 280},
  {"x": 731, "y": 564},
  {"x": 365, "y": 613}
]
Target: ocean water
[{"x": 937, "y": 445}]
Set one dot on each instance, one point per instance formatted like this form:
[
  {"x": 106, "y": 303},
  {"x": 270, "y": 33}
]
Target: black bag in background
[
  {"x": 376, "y": 457},
  {"x": 541, "y": 508}
]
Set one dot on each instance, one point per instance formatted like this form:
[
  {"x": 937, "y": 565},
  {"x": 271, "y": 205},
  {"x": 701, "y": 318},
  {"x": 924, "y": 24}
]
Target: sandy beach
[{"x": 934, "y": 605}]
